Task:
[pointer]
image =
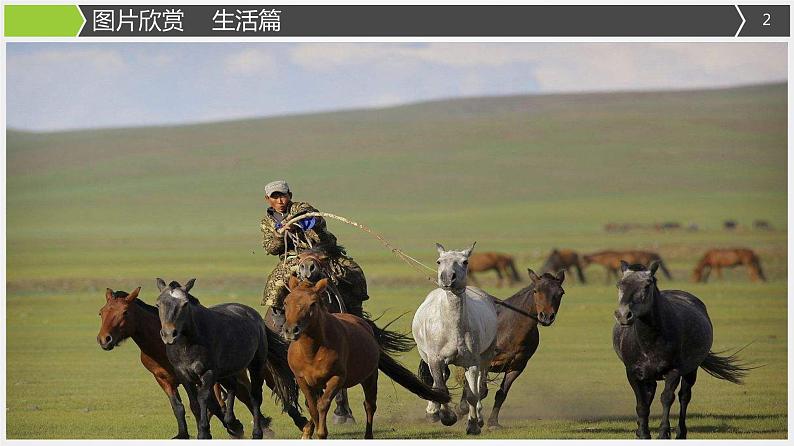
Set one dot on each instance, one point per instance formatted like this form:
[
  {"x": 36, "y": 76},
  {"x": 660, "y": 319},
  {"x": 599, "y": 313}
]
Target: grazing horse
[
  {"x": 563, "y": 259},
  {"x": 727, "y": 258},
  {"x": 664, "y": 336},
  {"x": 456, "y": 325},
  {"x": 517, "y": 333},
  {"x": 334, "y": 351},
  {"x": 209, "y": 345},
  {"x": 125, "y": 316},
  {"x": 503, "y": 264},
  {"x": 611, "y": 261}
]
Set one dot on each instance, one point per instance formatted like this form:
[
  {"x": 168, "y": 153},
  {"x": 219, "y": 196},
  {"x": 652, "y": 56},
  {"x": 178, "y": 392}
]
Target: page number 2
[{"x": 767, "y": 16}]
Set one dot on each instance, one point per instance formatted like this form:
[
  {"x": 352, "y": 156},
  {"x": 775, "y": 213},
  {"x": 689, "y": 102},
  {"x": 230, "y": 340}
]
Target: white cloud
[
  {"x": 104, "y": 61},
  {"x": 251, "y": 61}
]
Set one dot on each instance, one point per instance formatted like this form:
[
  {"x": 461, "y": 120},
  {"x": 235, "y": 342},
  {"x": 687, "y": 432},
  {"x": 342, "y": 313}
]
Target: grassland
[{"x": 116, "y": 208}]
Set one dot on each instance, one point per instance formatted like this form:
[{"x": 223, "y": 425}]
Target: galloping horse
[
  {"x": 563, "y": 259},
  {"x": 726, "y": 258},
  {"x": 517, "y": 334},
  {"x": 209, "y": 345},
  {"x": 334, "y": 351},
  {"x": 611, "y": 261},
  {"x": 125, "y": 316},
  {"x": 456, "y": 325},
  {"x": 503, "y": 264},
  {"x": 664, "y": 335}
]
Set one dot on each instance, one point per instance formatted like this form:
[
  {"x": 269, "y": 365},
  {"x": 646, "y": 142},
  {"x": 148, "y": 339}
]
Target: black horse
[
  {"x": 664, "y": 335},
  {"x": 209, "y": 345}
]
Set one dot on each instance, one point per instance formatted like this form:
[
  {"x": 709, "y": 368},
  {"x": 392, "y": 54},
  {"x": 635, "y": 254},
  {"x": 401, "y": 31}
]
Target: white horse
[{"x": 456, "y": 325}]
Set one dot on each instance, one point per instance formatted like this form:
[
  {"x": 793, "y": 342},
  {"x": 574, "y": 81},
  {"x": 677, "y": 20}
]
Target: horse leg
[
  {"x": 609, "y": 275},
  {"x": 501, "y": 396},
  {"x": 706, "y": 272},
  {"x": 205, "y": 394},
  {"x": 445, "y": 413},
  {"x": 668, "y": 397},
  {"x": 311, "y": 405},
  {"x": 343, "y": 413},
  {"x": 293, "y": 411},
  {"x": 719, "y": 272},
  {"x": 499, "y": 277},
  {"x": 684, "y": 396},
  {"x": 257, "y": 371},
  {"x": 643, "y": 392},
  {"x": 233, "y": 425},
  {"x": 332, "y": 386},
  {"x": 473, "y": 398},
  {"x": 170, "y": 389},
  {"x": 580, "y": 273},
  {"x": 370, "y": 386},
  {"x": 218, "y": 391}
]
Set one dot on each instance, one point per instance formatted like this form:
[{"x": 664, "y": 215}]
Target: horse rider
[{"x": 287, "y": 242}]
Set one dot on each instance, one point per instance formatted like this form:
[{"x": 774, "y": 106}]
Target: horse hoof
[
  {"x": 480, "y": 422},
  {"x": 181, "y": 436},
  {"x": 472, "y": 428},
  {"x": 643, "y": 435},
  {"x": 257, "y": 435},
  {"x": 448, "y": 418},
  {"x": 432, "y": 417},
  {"x": 268, "y": 433},
  {"x": 340, "y": 419},
  {"x": 204, "y": 436},
  {"x": 235, "y": 429},
  {"x": 664, "y": 435}
]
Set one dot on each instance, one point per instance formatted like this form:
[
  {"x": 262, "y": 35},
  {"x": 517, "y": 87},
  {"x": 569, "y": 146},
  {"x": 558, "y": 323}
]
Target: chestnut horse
[
  {"x": 334, "y": 351},
  {"x": 503, "y": 264},
  {"x": 611, "y": 261},
  {"x": 726, "y": 258},
  {"x": 563, "y": 259},
  {"x": 125, "y": 316}
]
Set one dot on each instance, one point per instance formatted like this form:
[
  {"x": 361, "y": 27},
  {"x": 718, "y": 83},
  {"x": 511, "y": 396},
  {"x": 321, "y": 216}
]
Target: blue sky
[{"x": 58, "y": 86}]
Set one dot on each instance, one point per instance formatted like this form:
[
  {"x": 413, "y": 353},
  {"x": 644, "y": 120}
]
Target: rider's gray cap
[{"x": 276, "y": 186}]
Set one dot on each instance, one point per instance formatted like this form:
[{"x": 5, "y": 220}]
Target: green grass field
[{"x": 116, "y": 208}]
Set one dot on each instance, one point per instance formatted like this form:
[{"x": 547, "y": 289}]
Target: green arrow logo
[{"x": 42, "y": 20}]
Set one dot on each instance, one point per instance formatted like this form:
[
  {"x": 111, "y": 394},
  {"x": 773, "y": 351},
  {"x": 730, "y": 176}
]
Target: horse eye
[
  {"x": 438, "y": 262},
  {"x": 125, "y": 312}
]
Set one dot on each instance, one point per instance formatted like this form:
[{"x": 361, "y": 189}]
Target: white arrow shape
[{"x": 743, "y": 20}]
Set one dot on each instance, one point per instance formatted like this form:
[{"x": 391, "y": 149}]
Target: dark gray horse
[
  {"x": 209, "y": 345},
  {"x": 664, "y": 335}
]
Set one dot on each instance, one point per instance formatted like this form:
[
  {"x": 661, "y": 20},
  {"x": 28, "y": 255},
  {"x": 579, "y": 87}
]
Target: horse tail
[
  {"x": 389, "y": 341},
  {"x": 405, "y": 378},
  {"x": 728, "y": 368},
  {"x": 756, "y": 262},
  {"x": 424, "y": 373},
  {"x": 285, "y": 388},
  {"x": 513, "y": 271}
]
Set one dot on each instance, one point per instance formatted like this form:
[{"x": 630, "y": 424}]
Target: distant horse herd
[
  {"x": 226, "y": 352},
  {"x": 567, "y": 260}
]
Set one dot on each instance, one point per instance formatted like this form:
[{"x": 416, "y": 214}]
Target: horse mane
[
  {"x": 143, "y": 305},
  {"x": 333, "y": 251}
]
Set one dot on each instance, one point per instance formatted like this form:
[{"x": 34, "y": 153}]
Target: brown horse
[
  {"x": 726, "y": 258},
  {"x": 125, "y": 316},
  {"x": 334, "y": 351},
  {"x": 501, "y": 263},
  {"x": 517, "y": 336},
  {"x": 563, "y": 259},
  {"x": 611, "y": 261}
]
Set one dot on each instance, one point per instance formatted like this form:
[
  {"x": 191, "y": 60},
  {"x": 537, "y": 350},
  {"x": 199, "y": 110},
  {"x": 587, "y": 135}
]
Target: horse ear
[
  {"x": 467, "y": 252},
  {"x": 293, "y": 282},
  {"x": 555, "y": 251},
  {"x": 561, "y": 275},
  {"x": 161, "y": 284},
  {"x": 133, "y": 295},
  {"x": 320, "y": 286},
  {"x": 108, "y": 294},
  {"x": 654, "y": 266},
  {"x": 532, "y": 276},
  {"x": 440, "y": 249},
  {"x": 624, "y": 266},
  {"x": 189, "y": 284}
]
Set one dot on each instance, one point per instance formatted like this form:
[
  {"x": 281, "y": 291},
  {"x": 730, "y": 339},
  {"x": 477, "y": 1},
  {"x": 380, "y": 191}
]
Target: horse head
[
  {"x": 452, "y": 268},
  {"x": 302, "y": 306},
  {"x": 547, "y": 296},
  {"x": 173, "y": 308},
  {"x": 118, "y": 323},
  {"x": 636, "y": 291},
  {"x": 313, "y": 265}
]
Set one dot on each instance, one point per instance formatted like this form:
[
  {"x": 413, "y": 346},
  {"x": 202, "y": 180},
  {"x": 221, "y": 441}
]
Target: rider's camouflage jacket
[{"x": 274, "y": 243}]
